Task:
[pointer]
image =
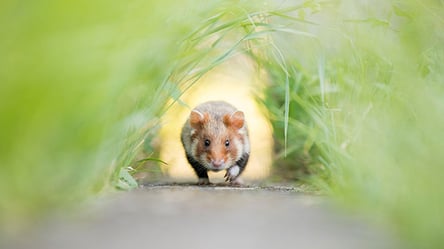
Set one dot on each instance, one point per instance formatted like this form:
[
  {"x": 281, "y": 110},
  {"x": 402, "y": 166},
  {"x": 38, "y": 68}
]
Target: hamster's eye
[
  {"x": 227, "y": 143},
  {"x": 207, "y": 142}
]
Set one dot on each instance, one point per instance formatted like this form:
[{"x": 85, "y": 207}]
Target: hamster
[{"x": 215, "y": 138}]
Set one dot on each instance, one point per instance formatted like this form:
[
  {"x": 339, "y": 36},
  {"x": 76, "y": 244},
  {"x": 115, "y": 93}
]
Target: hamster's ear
[
  {"x": 197, "y": 119},
  {"x": 235, "y": 120}
]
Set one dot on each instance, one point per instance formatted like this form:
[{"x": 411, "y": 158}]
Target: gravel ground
[{"x": 217, "y": 216}]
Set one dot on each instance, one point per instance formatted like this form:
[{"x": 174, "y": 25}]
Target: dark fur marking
[{"x": 242, "y": 162}]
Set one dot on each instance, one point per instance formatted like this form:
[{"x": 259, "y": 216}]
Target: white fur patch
[
  {"x": 234, "y": 171},
  {"x": 246, "y": 146},
  {"x": 238, "y": 144}
]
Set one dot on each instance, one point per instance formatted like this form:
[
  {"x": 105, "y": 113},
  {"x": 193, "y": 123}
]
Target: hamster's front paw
[
  {"x": 203, "y": 181},
  {"x": 232, "y": 174}
]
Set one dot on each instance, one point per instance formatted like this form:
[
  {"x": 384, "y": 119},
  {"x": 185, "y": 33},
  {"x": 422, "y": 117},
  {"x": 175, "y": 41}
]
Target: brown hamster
[{"x": 215, "y": 138}]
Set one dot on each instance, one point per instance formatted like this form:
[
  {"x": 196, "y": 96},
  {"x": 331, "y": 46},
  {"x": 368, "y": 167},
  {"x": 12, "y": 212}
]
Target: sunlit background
[
  {"x": 238, "y": 83},
  {"x": 352, "y": 93}
]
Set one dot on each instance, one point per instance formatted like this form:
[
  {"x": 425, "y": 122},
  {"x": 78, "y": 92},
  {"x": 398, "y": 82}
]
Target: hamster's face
[{"x": 216, "y": 150}]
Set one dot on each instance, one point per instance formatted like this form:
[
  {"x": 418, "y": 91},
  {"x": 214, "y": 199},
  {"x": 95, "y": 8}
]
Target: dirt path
[{"x": 186, "y": 216}]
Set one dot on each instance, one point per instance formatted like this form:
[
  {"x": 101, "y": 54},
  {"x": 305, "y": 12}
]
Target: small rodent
[{"x": 215, "y": 137}]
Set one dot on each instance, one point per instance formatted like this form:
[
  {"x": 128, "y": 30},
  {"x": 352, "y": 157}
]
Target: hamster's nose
[{"x": 217, "y": 163}]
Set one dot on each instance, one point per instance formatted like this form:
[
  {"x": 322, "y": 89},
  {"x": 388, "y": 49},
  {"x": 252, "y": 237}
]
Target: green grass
[
  {"x": 82, "y": 86},
  {"x": 355, "y": 97},
  {"x": 365, "y": 110}
]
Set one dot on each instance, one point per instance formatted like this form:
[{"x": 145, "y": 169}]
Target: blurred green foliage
[
  {"x": 355, "y": 97},
  {"x": 81, "y": 88},
  {"x": 297, "y": 155},
  {"x": 373, "y": 119}
]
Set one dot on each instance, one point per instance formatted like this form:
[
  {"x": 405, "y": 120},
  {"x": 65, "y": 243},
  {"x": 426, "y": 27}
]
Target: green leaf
[{"x": 126, "y": 180}]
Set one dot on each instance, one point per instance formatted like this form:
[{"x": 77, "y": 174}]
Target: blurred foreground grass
[
  {"x": 82, "y": 84},
  {"x": 356, "y": 96},
  {"x": 365, "y": 102}
]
